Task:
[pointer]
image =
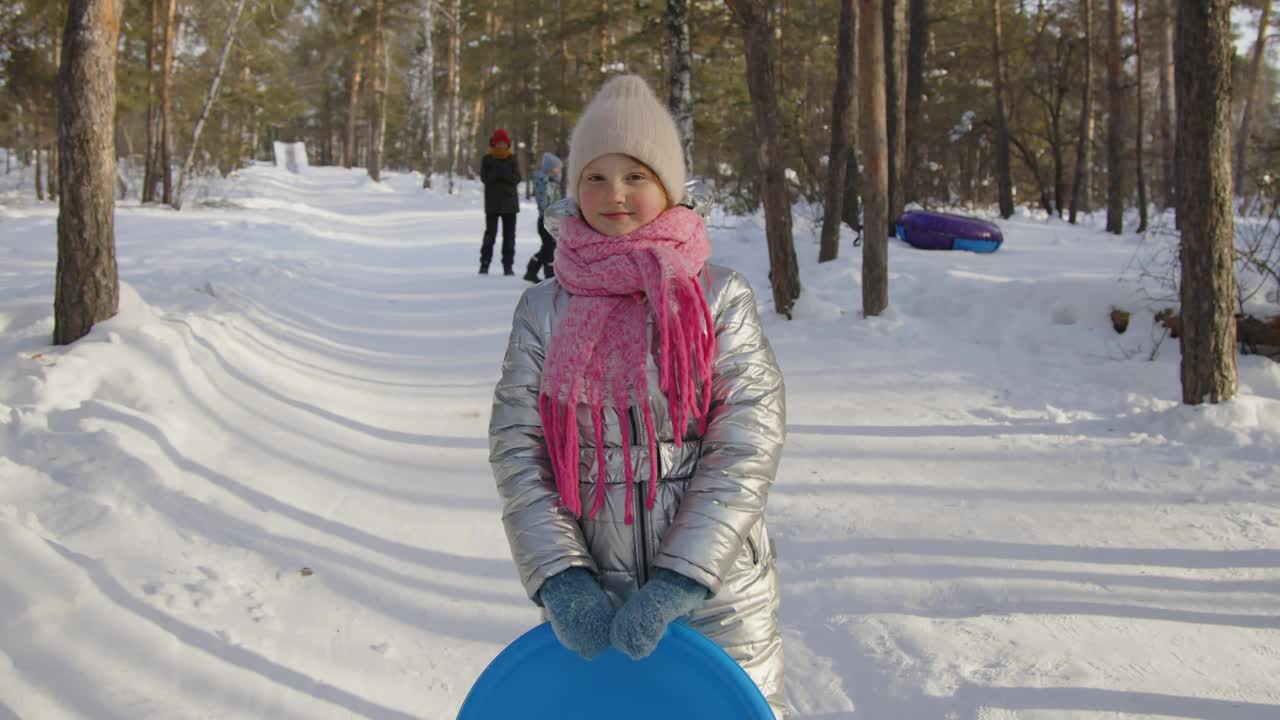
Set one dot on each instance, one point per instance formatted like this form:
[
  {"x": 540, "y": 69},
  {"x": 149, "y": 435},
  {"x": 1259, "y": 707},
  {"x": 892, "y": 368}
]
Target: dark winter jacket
[{"x": 501, "y": 180}]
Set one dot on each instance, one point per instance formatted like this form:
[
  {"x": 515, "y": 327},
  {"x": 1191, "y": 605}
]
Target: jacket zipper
[{"x": 638, "y": 502}]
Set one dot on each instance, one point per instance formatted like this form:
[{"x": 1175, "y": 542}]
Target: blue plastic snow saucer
[{"x": 687, "y": 676}]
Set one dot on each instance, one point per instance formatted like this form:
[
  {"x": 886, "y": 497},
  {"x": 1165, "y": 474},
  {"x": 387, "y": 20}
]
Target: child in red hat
[{"x": 501, "y": 178}]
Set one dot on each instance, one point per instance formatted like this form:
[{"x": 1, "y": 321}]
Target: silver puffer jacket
[{"x": 708, "y": 520}]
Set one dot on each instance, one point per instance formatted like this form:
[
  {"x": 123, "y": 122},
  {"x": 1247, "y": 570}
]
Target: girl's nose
[{"x": 617, "y": 191}]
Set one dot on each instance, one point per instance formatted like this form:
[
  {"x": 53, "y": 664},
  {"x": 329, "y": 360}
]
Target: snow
[
  {"x": 291, "y": 156},
  {"x": 262, "y": 490}
]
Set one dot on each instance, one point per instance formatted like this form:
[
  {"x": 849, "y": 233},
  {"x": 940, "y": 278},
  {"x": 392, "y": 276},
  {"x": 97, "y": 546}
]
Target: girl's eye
[{"x": 637, "y": 177}]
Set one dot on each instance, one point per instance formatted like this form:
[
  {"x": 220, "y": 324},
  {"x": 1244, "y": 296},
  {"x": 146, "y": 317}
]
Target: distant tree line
[
  {"x": 962, "y": 103},
  {"x": 1053, "y": 88}
]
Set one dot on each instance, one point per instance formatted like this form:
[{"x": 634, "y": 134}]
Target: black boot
[
  {"x": 531, "y": 274},
  {"x": 506, "y": 270},
  {"x": 484, "y": 268}
]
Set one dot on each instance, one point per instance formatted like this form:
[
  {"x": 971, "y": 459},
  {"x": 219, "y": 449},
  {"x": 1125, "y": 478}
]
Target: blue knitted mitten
[
  {"x": 643, "y": 619},
  {"x": 579, "y": 611}
]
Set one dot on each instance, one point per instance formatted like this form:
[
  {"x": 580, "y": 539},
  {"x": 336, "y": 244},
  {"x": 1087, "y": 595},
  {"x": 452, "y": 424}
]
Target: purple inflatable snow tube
[{"x": 944, "y": 231}]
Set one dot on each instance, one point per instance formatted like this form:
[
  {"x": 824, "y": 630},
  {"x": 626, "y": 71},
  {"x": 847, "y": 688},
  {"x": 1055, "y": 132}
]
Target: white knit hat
[{"x": 625, "y": 117}]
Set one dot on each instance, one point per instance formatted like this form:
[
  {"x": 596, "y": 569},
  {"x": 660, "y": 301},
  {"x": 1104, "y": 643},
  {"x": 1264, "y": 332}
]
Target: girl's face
[
  {"x": 619, "y": 194},
  {"x": 501, "y": 146}
]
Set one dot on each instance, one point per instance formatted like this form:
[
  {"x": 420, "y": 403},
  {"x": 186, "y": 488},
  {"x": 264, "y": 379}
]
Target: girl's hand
[
  {"x": 579, "y": 611},
  {"x": 642, "y": 621}
]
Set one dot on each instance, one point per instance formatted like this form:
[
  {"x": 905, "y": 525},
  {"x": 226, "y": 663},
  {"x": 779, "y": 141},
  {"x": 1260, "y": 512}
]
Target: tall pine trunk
[
  {"x": 1004, "y": 176},
  {"x": 455, "y": 88},
  {"x": 562, "y": 138},
  {"x": 353, "y": 101},
  {"x": 895, "y": 67},
  {"x": 539, "y": 97},
  {"x": 1115, "y": 122},
  {"x": 1166, "y": 106},
  {"x": 841, "y": 117},
  {"x": 152, "y": 146},
  {"x": 681, "y": 100},
  {"x": 1080, "y": 197},
  {"x": 427, "y": 88},
  {"x": 377, "y": 97},
  {"x": 1141, "y": 178},
  {"x": 1203, "y": 53},
  {"x": 1059, "y": 164},
  {"x": 917, "y": 48},
  {"x": 51, "y": 177},
  {"x": 875, "y": 158},
  {"x": 87, "y": 287},
  {"x": 784, "y": 271},
  {"x": 166, "y": 81},
  {"x": 1251, "y": 99},
  {"x": 39, "y": 169}
]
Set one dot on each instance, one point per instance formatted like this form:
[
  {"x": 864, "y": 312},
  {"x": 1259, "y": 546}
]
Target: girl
[
  {"x": 546, "y": 191},
  {"x": 639, "y": 420}
]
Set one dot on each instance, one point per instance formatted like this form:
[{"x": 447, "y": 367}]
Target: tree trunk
[
  {"x": 1141, "y": 172},
  {"x": 149, "y": 159},
  {"x": 1059, "y": 164},
  {"x": 784, "y": 271},
  {"x": 1080, "y": 198},
  {"x": 482, "y": 116},
  {"x": 326, "y": 126},
  {"x": 378, "y": 97},
  {"x": 681, "y": 76},
  {"x": 539, "y": 97},
  {"x": 52, "y": 173},
  {"x": 212, "y": 97},
  {"x": 427, "y": 70},
  {"x": 895, "y": 67},
  {"x": 87, "y": 287},
  {"x": 166, "y": 80},
  {"x": 1115, "y": 122},
  {"x": 353, "y": 102},
  {"x": 917, "y": 48},
  {"x": 474, "y": 137},
  {"x": 1004, "y": 177},
  {"x": 851, "y": 205},
  {"x": 455, "y": 87},
  {"x": 1251, "y": 99},
  {"x": 1042, "y": 186},
  {"x": 1167, "y": 105},
  {"x": 1203, "y": 53},
  {"x": 875, "y": 158},
  {"x": 841, "y": 116},
  {"x": 562, "y": 139},
  {"x": 39, "y": 167}
]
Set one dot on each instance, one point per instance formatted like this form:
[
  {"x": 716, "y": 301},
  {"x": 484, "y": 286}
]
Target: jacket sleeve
[
  {"x": 741, "y": 449},
  {"x": 540, "y": 190},
  {"x": 544, "y": 536},
  {"x": 486, "y": 170}
]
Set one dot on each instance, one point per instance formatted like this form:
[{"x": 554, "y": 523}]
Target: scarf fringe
[{"x": 599, "y": 333}]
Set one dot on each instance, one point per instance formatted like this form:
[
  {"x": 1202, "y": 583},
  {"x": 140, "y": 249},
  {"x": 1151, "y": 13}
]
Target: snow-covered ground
[{"x": 262, "y": 489}]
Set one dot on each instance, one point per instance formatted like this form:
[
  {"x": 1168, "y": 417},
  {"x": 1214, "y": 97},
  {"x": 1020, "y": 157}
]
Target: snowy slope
[{"x": 262, "y": 489}]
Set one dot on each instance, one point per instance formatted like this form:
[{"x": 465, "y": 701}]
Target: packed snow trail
[{"x": 262, "y": 489}]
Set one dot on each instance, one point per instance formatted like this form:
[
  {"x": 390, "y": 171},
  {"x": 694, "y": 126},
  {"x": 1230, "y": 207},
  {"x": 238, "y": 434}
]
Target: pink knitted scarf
[{"x": 599, "y": 348}]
